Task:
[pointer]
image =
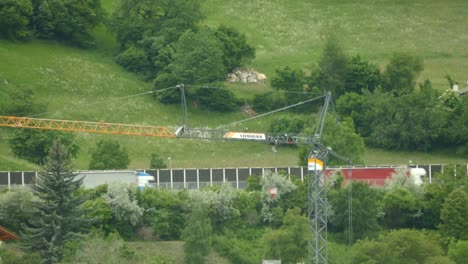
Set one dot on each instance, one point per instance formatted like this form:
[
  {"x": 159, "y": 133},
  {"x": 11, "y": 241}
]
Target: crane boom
[
  {"x": 84, "y": 126},
  {"x": 150, "y": 131}
]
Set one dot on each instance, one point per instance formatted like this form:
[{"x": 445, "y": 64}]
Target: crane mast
[{"x": 317, "y": 193}]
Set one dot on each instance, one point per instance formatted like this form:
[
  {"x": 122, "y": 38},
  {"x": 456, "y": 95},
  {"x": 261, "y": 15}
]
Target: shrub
[
  {"x": 133, "y": 59},
  {"x": 269, "y": 101},
  {"x": 217, "y": 99}
]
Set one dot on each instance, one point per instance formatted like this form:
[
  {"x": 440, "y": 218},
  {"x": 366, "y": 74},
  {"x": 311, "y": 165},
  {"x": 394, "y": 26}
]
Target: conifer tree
[{"x": 58, "y": 217}]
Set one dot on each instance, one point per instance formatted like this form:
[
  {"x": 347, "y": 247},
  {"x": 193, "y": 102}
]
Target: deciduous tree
[
  {"x": 34, "y": 145},
  {"x": 454, "y": 215},
  {"x": 15, "y": 18},
  {"x": 401, "y": 73},
  {"x": 197, "y": 236},
  {"x": 108, "y": 154}
]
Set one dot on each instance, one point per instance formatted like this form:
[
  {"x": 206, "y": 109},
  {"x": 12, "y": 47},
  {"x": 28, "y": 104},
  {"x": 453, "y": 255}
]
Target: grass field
[
  {"x": 87, "y": 85},
  {"x": 293, "y": 32}
]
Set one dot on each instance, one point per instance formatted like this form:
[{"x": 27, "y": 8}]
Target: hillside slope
[{"x": 293, "y": 32}]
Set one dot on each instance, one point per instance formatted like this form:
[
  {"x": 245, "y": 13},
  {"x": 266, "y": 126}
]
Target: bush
[
  {"x": 235, "y": 48},
  {"x": 165, "y": 212},
  {"x": 269, "y": 101},
  {"x": 286, "y": 124},
  {"x": 33, "y": 145},
  {"x": 69, "y": 21},
  {"x": 163, "y": 81},
  {"x": 217, "y": 99},
  {"x": 133, "y": 59},
  {"x": 16, "y": 208},
  {"x": 109, "y": 155},
  {"x": 401, "y": 73},
  {"x": 238, "y": 250},
  {"x": 157, "y": 162}
]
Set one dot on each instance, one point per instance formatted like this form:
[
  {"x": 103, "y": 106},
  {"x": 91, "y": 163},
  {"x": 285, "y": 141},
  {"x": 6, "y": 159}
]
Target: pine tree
[{"x": 58, "y": 217}]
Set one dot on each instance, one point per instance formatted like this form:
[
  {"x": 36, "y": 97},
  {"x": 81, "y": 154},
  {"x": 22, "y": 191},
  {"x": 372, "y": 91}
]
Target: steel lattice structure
[{"x": 83, "y": 126}]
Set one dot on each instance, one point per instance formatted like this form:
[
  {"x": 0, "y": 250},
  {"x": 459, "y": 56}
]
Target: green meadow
[{"x": 88, "y": 85}]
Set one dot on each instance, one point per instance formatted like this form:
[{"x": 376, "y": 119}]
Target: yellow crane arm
[{"x": 82, "y": 126}]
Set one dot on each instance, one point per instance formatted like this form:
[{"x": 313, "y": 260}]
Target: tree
[
  {"x": 19, "y": 101},
  {"x": 294, "y": 83},
  {"x": 134, "y": 59},
  {"x": 198, "y": 58},
  {"x": 454, "y": 215},
  {"x": 16, "y": 207},
  {"x": 197, "y": 236},
  {"x": 69, "y": 21},
  {"x": 164, "y": 211},
  {"x": 269, "y": 101},
  {"x": 290, "y": 242},
  {"x": 365, "y": 209},
  {"x": 286, "y": 124},
  {"x": 401, "y": 208},
  {"x": 272, "y": 210},
  {"x": 221, "y": 100},
  {"x": 362, "y": 75},
  {"x": 58, "y": 218},
  {"x": 236, "y": 51},
  {"x": 401, "y": 73},
  {"x": 333, "y": 68},
  {"x": 108, "y": 154},
  {"x": 34, "y": 145},
  {"x": 14, "y": 18},
  {"x": 126, "y": 213},
  {"x": 288, "y": 79},
  {"x": 134, "y": 20},
  {"x": 398, "y": 246},
  {"x": 152, "y": 27},
  {"x": 458, "y": 251},
  {"x": 436, "y": 193},
  {"x": 402, "y": 201},
  {"x": 157, "y": 162}
]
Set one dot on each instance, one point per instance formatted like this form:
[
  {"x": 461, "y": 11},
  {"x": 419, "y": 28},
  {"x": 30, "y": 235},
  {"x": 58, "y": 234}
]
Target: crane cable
[
  {"x": 111, "y": 99},
  {"x": 271, "y": 112}
]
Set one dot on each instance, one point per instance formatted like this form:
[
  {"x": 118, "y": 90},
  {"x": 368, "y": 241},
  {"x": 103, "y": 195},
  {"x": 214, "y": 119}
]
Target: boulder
[{"x": 245, "y": 76}]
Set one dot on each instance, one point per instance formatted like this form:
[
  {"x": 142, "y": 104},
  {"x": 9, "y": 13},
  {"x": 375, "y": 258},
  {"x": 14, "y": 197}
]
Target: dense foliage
[
  {"x": 33, "y": 145},
  {"x": 401, "y": 221},
  {"x": 108, "y": 154},
  {"x": 67, "y": 21}
]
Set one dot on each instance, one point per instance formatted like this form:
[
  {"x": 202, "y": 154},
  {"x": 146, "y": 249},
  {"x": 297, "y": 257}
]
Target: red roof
[
  {"x": 6, "y": 234},
  {"x": 373, "y": 176}
]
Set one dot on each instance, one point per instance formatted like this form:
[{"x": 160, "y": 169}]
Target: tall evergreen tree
[{"x": 58, "y": 217}]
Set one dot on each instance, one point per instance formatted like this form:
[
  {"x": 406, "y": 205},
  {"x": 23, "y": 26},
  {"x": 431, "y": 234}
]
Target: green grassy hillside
[
  {"x": 293, "y": 32},
  {"x": 87, "y": 85}
]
